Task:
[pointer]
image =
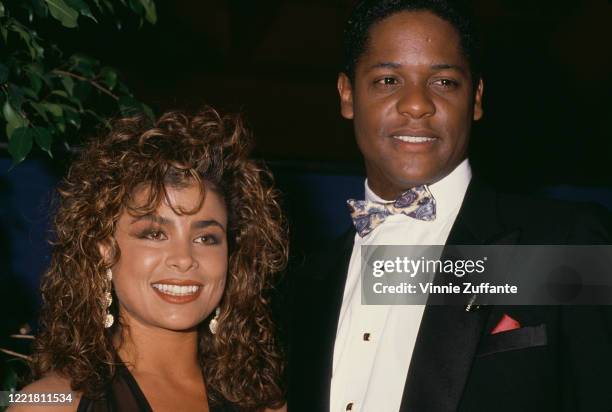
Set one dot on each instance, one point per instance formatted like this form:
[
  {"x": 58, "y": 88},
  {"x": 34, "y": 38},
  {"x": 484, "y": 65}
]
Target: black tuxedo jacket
[{"x": 559, "y": 360}]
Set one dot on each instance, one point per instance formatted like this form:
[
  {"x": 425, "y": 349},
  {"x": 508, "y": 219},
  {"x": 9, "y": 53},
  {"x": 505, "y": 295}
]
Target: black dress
[{"x": 124, "y": 395}]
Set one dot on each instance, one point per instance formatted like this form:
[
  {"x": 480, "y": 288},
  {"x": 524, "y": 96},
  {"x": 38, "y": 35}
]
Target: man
[{"x": 412, "y": 87}]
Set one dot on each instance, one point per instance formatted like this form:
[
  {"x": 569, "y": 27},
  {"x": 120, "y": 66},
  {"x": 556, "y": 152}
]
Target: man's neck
[{"x": 448, "y": 191}]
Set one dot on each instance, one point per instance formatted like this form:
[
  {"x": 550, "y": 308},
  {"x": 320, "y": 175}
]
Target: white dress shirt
[{"x": 374, "y": 344}]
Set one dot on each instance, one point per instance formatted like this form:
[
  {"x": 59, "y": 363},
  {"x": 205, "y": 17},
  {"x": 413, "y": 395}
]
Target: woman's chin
[{"x": 180, "y": 324}]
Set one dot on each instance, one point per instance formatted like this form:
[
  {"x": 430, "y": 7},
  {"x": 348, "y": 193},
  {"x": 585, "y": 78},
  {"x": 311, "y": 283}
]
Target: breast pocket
[{"x": 521, "y": 338}]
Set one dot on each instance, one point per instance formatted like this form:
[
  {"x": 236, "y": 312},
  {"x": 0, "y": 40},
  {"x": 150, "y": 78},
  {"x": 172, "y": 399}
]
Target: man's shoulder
[{"x": 556, "y": 219}]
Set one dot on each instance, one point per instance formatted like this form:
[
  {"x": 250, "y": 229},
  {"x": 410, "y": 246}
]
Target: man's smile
[{"x": 414, "y": 139}]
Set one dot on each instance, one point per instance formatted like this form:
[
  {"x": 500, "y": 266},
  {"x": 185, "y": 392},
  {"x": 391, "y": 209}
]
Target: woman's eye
[
  {"x": 152, "y": 234},
  {"x": 155, "y": 235},
  {"x": 207, "y": 240}
]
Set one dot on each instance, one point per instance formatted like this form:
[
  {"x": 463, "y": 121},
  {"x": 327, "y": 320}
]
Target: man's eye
[
  {"x": 207, "y": 240},
  {"x": 387, "y": 81},
  {"x": 446, "y": 82}
]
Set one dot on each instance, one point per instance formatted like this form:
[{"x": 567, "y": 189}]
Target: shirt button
[
  {"x": 366, "y": 337},
  {"x": 349, "y": 406}
]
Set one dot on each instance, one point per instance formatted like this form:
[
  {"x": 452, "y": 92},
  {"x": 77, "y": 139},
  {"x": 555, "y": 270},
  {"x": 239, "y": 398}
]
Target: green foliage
[
  {"x": 8, "y": 381},
  {"x": 13, "y": 370},
  {"x": 47, "y": 98}
]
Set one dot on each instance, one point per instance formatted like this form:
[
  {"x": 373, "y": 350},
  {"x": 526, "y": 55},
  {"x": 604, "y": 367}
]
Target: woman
[{"x": 166, "y": 241}]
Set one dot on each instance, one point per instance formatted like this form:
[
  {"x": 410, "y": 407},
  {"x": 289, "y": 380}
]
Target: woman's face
[{"x": 172, "y": 269}]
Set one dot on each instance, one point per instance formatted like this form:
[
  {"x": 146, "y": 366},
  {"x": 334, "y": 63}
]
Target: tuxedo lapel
[{"x": 448, "y": 335}]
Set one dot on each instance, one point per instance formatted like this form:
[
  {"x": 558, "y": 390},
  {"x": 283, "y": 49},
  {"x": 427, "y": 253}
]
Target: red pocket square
[{"x": 505, "y": 324}]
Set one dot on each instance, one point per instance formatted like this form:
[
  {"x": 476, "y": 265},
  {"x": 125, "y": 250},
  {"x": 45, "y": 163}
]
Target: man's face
[{"x": 412, "y": 102}]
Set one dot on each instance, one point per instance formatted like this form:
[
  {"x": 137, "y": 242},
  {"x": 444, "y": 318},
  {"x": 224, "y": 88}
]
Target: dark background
[
  {"x": 545, "y": 129},
  {"x": 546, "y": 70}
]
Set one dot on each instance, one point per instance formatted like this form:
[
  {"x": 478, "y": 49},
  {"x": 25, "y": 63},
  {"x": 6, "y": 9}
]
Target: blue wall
[{"x": 315, "y": 204}]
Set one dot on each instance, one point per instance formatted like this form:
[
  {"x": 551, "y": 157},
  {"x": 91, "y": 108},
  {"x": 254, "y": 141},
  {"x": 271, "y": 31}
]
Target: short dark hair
[{"x": 366, "y": 13}]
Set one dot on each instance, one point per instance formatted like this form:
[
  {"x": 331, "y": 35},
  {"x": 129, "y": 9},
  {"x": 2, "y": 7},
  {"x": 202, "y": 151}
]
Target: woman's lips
[{"x": 177, "y": 291}]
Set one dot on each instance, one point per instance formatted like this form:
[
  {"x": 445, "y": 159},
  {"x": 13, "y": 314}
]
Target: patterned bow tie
[{"x": 417, "y": 203}]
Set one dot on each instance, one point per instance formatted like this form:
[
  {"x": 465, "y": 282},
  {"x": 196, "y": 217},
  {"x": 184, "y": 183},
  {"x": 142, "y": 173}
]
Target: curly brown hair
[{"x": 241, "y": 363}]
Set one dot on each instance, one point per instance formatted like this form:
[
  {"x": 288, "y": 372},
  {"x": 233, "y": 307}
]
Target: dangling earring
[
  {"x": 214, "y": 322},
  {"x": 108, "y": 298}
]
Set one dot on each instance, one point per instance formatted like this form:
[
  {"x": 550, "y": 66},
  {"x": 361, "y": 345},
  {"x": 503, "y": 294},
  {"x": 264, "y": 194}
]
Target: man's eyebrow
[
  {"x": 446, "y": 66},
  {"x": 152, "y": 218},
  {"x": 438, "y": 66},
  {"x": 201, "y": 224},
  {"x": 385, "y": 65}
]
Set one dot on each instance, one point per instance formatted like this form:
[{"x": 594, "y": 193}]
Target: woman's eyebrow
[
  {"x": 201, "y": 224},
  {"x": 160, "y": 220}
]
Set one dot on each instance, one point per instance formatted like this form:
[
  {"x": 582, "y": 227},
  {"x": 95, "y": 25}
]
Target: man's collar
[{"x": 448, "y": 191}]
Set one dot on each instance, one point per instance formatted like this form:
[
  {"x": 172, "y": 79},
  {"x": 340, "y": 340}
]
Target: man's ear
[
  {"x": 345, "y": 90},
  {"x": 478, "y": 112}
]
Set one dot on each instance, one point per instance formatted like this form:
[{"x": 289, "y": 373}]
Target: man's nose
[
  {"x": 415, "y": 101},
  {"x": 180, "y": 256}
]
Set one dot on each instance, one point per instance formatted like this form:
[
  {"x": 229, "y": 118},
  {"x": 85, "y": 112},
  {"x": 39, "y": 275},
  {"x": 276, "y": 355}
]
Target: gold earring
[
  {"x": 214, "y": 322},
  {"x": 108, "y": 297}
]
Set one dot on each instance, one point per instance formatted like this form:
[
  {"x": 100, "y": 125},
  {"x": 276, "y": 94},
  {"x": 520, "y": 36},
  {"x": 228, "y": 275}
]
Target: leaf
[
  {"x": 4, "y": 72},
  {"x": 63, "y": 13},
  {"x": 129, "y": 106},
  {"x": 23, "y": 32},
  {"x": 28, "y": 36},
  {"x": 150, "y": 11},
  {"x": 14, "y": 120},
  {"x": 39, "y": 50},
  {"x": 59, "y": 93},
  {"x": 136, "y": 7},
  {"x": 35, "y": 81},
  {"x": 109, "y": 77},
  {"x": 95, "y": 115},
  {"x": 43, "y": 139},
  {"x": 82, "y": 8},
  {"x": 40, "y": 110},
  {"x": 72, "y": 117},
  {"x": 82, "y": 91},
  {"x": 35, "y": 68},
  {"x": 148, "y": 111},
  {"x": 9, "y": 377},
  {"x": 2, "y": 11},
  {"x": 20, "y": 144},
  {"x": 55, "y": 109},
  {"x": 98, "y": 5},
  {"x": 68, "y": 84},
  {"x": 40, "y": 8},
  {"x": 84, "y": 65},
  {"x": 30, "y": 93},
  {"x": 109, "y": 6},
  {"x": 15, "y": 95},
  {"x": 60, "y": 124}
]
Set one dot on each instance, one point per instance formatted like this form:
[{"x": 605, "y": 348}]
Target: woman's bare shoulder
[{"x": 50, "y": 384}]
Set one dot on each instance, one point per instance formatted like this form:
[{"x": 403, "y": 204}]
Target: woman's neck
[{"x": 157, "y": 351}]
